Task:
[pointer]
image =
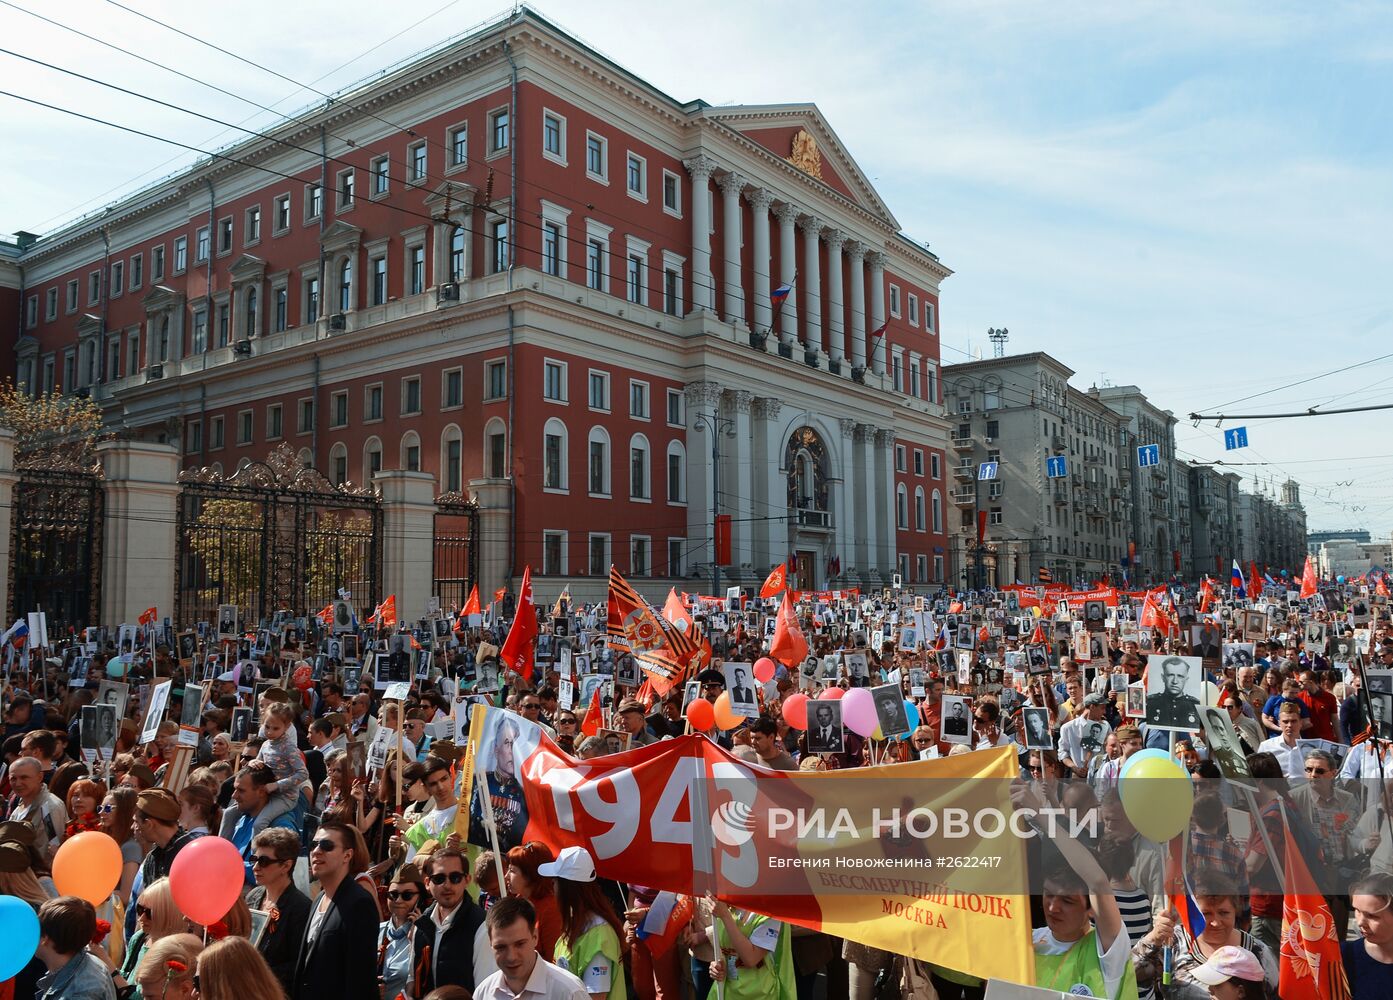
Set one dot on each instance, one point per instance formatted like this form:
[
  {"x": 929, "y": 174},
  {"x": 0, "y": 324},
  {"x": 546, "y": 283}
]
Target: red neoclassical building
[{"x": 523, "y": 270}]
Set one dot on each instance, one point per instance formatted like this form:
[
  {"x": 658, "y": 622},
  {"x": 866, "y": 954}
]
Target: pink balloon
[
  {"x": 764, "y": 670},
  {"x": 795, "y": 709},
  {"x": 206, "y": 879},
  {"x": 833, "y": 693},
  {"x": 858, "y": 711}
]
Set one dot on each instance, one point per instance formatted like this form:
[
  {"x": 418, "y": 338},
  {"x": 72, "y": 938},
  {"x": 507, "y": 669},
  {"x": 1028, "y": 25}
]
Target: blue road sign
[
  {"x": 1057, "y": 466},
  {"x": 1148, "y": 454},
  {"x": 987, "y": 470},
  {"x": 1235, "y": 437}
]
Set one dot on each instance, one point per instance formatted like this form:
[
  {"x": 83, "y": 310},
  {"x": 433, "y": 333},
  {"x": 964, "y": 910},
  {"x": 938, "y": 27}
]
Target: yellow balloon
[
  {"x": 726, "y": 716},
  {"x": 877, "y": 735},
  {"x": 1158, "y": 797}
]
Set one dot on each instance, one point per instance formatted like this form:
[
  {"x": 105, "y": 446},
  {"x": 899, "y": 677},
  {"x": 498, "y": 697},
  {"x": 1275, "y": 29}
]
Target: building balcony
[
  {"x": 1059, "y": 442},
  {"x": 965, "y": 472},
  {"x": 962, "y": 444},
  {"x": 808, "y": 517},
  {"x": 1060, "y": 495},
  {"x": 964, "y": 497}
]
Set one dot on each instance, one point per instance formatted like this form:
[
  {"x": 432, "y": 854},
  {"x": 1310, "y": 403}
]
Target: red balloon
[
  {"x": 764, "y": 670},
  {"x": 795, "y": 709},
  {"x": 832, "y": 694},
  {"x": 206, "y": 879},
  {"x": 701, "y": 715}
]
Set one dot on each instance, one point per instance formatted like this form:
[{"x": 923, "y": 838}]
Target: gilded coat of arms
[{"x": 804, "y": 154}]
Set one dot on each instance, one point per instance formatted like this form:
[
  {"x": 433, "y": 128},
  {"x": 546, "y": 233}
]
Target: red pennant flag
[
  {"x": 1254, "y": 581},
  {"x": 776, "y": 582},
  {"x": 1308, "y": 579},
  {"x": 789, "y": 647},
  {"x": 1206, "y": 595},
  {"x": 499, "y": 594},
  {"x": 594, "y": 718},
  {"x": 880, "y": 330},
  {"x": 1381, "y": 588},
  {"x": 1310, "y": 967},
  {"x": 519, "y": 648},
  {"x": 471, "y": 606},
  {"x": 327, "y": 615},
  {"x": 147, "y": 617}
]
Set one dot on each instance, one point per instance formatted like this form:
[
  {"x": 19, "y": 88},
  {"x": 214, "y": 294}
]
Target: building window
[
  {"x": 273, "y": 421},
  {"x": 372, "y": 402},
  {"x": 638, "y": 400},
  {"x": 51, "y": 304},
  {"x": 636, "y": 176},
  {"x": 201, "y": 248},
  {"x": 459, "y": 145},
  {"x": 936, "y": 509},
  {"x": 638, "y": 469},
  {"x": 416, "y": 163},
  {"x": 638, "y": 556},
  {"x": 137, "y": 271},
  {"x": 452, "y": 389},
  {"x": 118, "y": 280},
  {"x": 194, "y": 442},
  {"x": 635, "y": 290},
  {"x": 899, "y": 458},
  {"x": 133, "y": 352},
  {"x": 304, "y": 416},
  {"x": 675, "y": 411},
  {"x": 498, "y": 130},
  {"x": 596, "y": 158},
  {"x": 252, "y": 225},
  {"x": 200, "y": 331},
  {"x": 215, "y": 433},
  {"x": 553, "y": 553},
  {"x": 281, "y": 296},
  {"x": 280, "y": 219},
  {"x": 895, "y": 301},
  {"x": 896, "y": 371},
  {"x": 453, "y": 462},
  {"x": 919, "y": 519},
  {"x": 929, "y": 317},
  {"x": 416, "y": 279},
  {"x": 914, "y": 310},
  {"x": 497, "y": 453},
  {"x": 551, "y": 248},
  {"x": 595, "y": 264},
  {"x": 372, "y": 458},
  {"x": 224, "y": 236},
  {"x": 411, "y": 452},
  {"x": 674, "y": 556},
  {"x": 918, "y": 462},
  {"x": 157, "y": 263},
  {"x": 457, "y": 238},
  {"x": 554, "y": 136},
  {"x": 181, "y": 254},
  {"x": 995, "y": 516},
  {"x": 314, "y": 201},
  {"x": 921, "y": 569},
  {"x": 495, "y": 379},
  {"x": 338, "y": 410},
  {"x": 498, "y": 240},
  {"x": 554, "y": 455},
  {"x": 224, "y": 324},
  {"x": 347, "y": 182},
  {"x": 676, "y": 474},
  {"x": 338, "y": 464},
  {"x": 378, "y": 265},
  {"x": 598, "y": 469},
  {"x": 599, "y": 555},
  {"x": 381, "y": 175},
  {"x": 31, "y": 312},
  {"x": 672, "y": 291},
  {"x": 554, "y": 381},
  {"x": 311, "y": 300},
  {"x": 599, "y": 391},
  {"x": 411, "y": 396},
  {"x": 901, "y": 507},
  {"x": 346, "y": 285},
  {"x": 672, "y": 193}
]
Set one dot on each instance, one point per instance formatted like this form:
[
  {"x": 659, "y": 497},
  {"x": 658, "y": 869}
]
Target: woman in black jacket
[
  {"x": 338, "y": 952},
  {"x": 274, "y": 853}
]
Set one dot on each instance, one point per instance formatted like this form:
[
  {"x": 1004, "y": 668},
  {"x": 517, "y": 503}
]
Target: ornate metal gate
[
  {"x": 456, "y": 548},
  {"x": 274, "y": 535},
  {"x": 56, "y": 548}
]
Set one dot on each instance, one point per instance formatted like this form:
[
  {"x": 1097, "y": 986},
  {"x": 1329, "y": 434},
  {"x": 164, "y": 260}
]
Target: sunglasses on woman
[
  {"x": 407, "y": 894},
  {"x": 439, "y": 878},
  {"x": 143, "y": 911},
  {"x": 263, "y": 860}
]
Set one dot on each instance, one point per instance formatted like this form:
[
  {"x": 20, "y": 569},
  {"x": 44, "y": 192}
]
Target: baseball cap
[
  {"x": 574, "y": 864},
  {"x": 630, "y": 705},
  {"x": 1229, "y": 962}
]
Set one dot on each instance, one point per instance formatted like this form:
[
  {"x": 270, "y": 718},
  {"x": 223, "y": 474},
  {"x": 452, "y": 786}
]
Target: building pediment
[
  {"x": 449, "y": 198},
  {"x": 89, "y": 325},
  {"x": 341, "y": 236},
  {"x": 799, "y": 135},
  {"x": 27, "y": 346},
  {"x": 248, "y": 268},
  {"x": 161, "y": 297}
]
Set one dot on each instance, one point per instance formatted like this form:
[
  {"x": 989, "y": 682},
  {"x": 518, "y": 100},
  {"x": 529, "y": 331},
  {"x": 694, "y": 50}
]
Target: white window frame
[
  {"x": 894, "y": 300},
  {"x": 599, "y": 232},
  {"x": 913, "y": 309},
  {"x": 558, "y": 157},
  {"x": 381, "y": 403},
  {"x": 558, "y": 216},
  {"x": 311, "y": 216},
  {"x": 677, "y": 263},
  {"x": 563, "y": 368},
  {"x": 929, "y": 318},
  {"x": 936, "y": 512},
  {"x": 334, "y": 423},
  {"x": 136, "y": 270},
  {"x": 202, "y": 244},
  {"x": 342, "y": 204},
  {"x": 275, "y": 408},
  {"x": 445, "y": 404},
  {"x": 673, "y": 210},
  {"x": 492, "y": 119},
  {"x": 681, "y": 407},
  {"x": 921, "y": 510},
  {"x": 251, "y": 225},
  {"x": 51, "y": 304},
  {"x": 647, "y": 541},
  {"x": 637, "y": 248},
  {"x": 413, "y": 178},
  {"x": 603, "y": 176},
  {"x": 181, "y": 255},
  {"x": 589, "y": 378},
  {"x": 31, "y": 312},
  {"x": 453, "y": 163},
  {"x": 563, "y": 537},
  {"x": 226, "y": 225},
  {"x": 675, "y": 447},
  {"x": 564, "y": 478},
  {"x": 590, "y": 550},
  {"x": 635, "y": 441},
  {"x": 245, "y": 419},
  {"x": 647, "y": 400},
  {"x": 641, "y": 194},
  {"x": 401, "y": 401},
  {"x": 598, "y": 434},
  {"x": 491, "y": 365},
  {"x": 376, "y": 174},
  {"x": 276, "y": 214}
]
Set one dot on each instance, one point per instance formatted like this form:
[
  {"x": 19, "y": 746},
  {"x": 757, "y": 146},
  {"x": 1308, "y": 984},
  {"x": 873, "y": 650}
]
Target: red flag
[
  {"x": 147, "y": 617},
  {"x": 1308, "y": 579},
  {"x": 1310, "y": 967},
  {"x": 1381, "y": 588},
  {"x": 499, "y": 594},
  {"x": 880, "y": 330},
  {"x": 471, "y": 606},
  {"x": 1152, "y": 615},
  {"x": 1206, "y": 595},
  {"x": 594, "y": 718},
  {"x": 519, "y": 648},
  {"x": 386, "y": 613},
  {"x": 327, "y": 615},
  {"x": 1254, "y": 581},
  {"x": 789, "y": 647},
  {"x": 776, "y": 582}
]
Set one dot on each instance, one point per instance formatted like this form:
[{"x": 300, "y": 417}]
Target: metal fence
[
  {"x": 56, "y": 547},
  {"x": 456, "y": 548}
]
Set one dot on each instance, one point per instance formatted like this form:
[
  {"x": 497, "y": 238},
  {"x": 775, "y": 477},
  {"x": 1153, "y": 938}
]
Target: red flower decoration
[
  {"x": 217, "y": 931},
  {"x": 176, "y": 966},
  {"x": 103, "y": 929}
]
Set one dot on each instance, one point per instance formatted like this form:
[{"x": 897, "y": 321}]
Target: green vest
[
  {"x": 598, "y": 940},
  {"x": 774, "y": 979},
  {"x": 1080, "y": 966}
]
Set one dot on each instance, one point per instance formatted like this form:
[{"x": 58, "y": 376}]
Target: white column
[
  {"x": 8, "y": 479},
  {"x": 836, "y": 314},
  {"x": 732, "y": 241},
  {"x": 741, "y": 503},
  {"x": 846, "y": 499},
  {"x": 812, "y": 282},
  {"x": 788, "y": 273},
  {"x": 867, "y": 548},
  {"x": 877, "y": 263},
  {"x": 760, "y": 265},
  {"x": 885, "y": 475},
  {"x": 856, "y": 256},
  {"x": 408, "y": 533},
  {"x": 701, "y": 397},
  {"x": 770, "y": 487},
  {"x": 140, "y": 548},
  {"x": 703, "y": 290}
]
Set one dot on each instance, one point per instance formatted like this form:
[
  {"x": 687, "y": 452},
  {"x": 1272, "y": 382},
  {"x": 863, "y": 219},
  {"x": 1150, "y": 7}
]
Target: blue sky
[{"x": 1195, "y": 198}]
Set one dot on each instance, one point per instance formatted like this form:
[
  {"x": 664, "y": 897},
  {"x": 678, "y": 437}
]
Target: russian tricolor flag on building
[
  {"x": 779, "y": 294},
  {"x": 1236, "y": 583}
]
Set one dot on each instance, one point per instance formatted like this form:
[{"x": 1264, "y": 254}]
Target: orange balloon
[
  {"x": 726, "y": 716},
  {"x": 88, "y": 866}
]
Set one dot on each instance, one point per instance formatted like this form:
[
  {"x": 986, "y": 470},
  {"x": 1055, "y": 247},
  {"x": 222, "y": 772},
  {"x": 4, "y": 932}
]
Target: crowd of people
[{"x": 337, "y": 780}]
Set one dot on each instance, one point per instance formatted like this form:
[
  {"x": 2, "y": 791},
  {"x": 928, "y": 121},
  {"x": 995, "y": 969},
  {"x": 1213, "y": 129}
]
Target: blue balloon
[
  {"x": 19, "y": 929},
  {"x": 1140, "y": 755},
  {"x": 115, "y": 667},
  {"x": 1339, "y": 579},
  {"x": 912, "y": 710}
]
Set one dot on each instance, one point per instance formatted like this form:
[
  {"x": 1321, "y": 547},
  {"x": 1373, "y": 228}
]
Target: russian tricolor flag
[
  {"x": 779, "y": 294},
  {"x": 1236, "y": 584},
  {"x": 18, "y": 633}
]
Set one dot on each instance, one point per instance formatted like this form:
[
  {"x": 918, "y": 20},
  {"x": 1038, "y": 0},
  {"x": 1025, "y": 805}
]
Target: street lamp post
[{"x": 718, "y": 426}]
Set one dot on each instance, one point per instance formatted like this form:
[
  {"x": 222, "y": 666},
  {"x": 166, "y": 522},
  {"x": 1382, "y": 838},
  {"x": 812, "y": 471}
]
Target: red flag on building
[
  {"x": 471, "y": 606},
  {"x": 1310, "y": 967},
  {"x": 789, "y": 647},
  {"x": 519, "y": 649},
  {"x": 1308, "y": 579},
  {"x": 776, "y": 582}
]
